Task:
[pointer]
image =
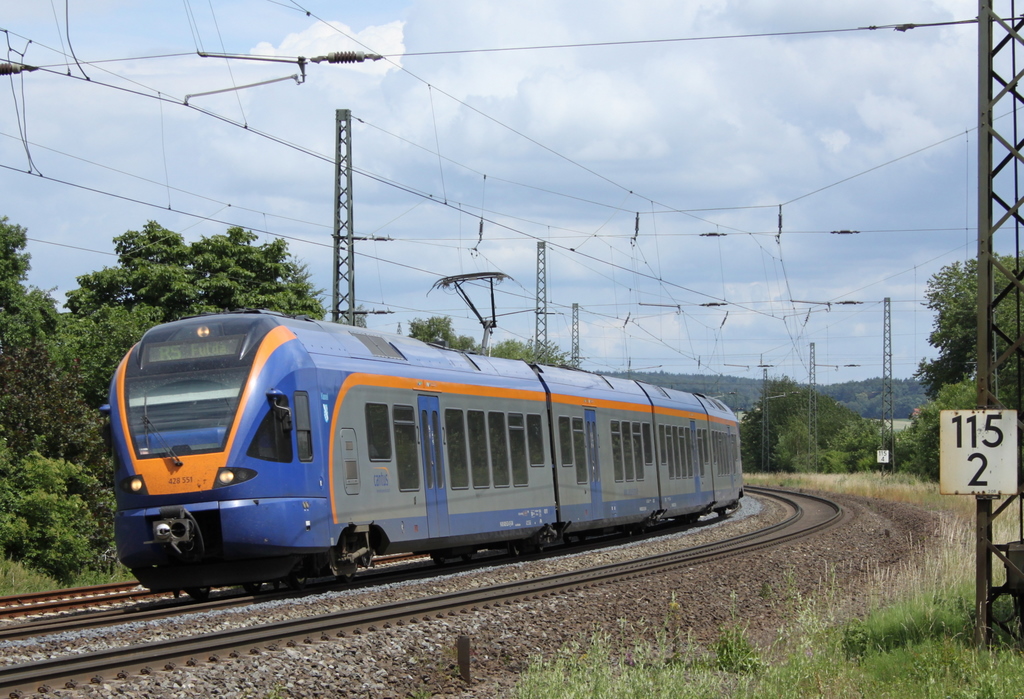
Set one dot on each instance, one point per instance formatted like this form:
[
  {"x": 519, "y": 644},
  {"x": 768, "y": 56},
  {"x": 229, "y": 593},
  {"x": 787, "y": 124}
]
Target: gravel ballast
[{"x": 421, "y": 658}]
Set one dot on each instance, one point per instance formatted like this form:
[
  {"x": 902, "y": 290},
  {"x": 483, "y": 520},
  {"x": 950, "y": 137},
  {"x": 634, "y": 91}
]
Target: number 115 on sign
[{"x": 978, "y": 452}]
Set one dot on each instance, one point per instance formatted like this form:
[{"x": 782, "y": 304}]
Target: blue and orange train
[{"x": 254, "y": 447}]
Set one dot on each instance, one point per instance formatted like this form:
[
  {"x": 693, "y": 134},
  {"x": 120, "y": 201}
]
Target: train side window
[
  {"x": 617, "y": 451},
  {"x": 565, "y": 440},
  {"x": 455, "y": 433},
  {"x": 535, "y": 438},
  {"x": 272, "y": 442},
  {"x": 661, "y": 447},
  {"x": 378, "y": 432},
  {"x": 702, "y": 449},
  {"x": 499, "y": 449},
  {"x": 478, "y": 449},
  {"x": 639, "y": 450},
  {"x": 648, "y": 444},
  {"x": 405, "y": 448},
  {"x": 303, "y": 429},
  {"x": 627, "y": 451},
  {"x": 579, "y": 440},
  {"x": 517, "y": 449}
]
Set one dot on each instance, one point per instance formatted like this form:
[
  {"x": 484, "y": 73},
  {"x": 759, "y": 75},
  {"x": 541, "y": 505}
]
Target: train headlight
[
  {"x": 233, "y": 476},
  {"x": 134, "y": 485}
]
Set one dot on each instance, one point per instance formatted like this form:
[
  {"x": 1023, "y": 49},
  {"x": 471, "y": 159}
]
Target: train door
[
  {"x": 433, "y": 467},
  {"x": 593, "y": 464},
  {"x": 698, "y": 465}
]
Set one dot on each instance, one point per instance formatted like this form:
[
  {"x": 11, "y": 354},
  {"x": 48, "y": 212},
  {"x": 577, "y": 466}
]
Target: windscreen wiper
[{"x": 167, "y": 447}]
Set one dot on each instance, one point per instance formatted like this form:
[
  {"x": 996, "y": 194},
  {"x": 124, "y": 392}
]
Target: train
[{"x": 252, "y": 447}]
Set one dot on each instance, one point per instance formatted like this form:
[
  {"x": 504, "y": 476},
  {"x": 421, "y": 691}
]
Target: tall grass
[
  {"x": 16, "y": 578},
  {"x": 915, "y": 641}
]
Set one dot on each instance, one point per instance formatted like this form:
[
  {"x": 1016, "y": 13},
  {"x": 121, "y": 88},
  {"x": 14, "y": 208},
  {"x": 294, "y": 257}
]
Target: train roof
[{"x": 334, "y": 339}]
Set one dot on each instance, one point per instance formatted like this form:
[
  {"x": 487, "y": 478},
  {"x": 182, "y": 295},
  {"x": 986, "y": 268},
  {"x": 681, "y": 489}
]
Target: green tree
[
  {"x": 93, "y": 346},
  {"x": 549, "y": 354},
  {"x": 159, "y": 277},
  {"x": 952, "y": 294},
  {"x": 439, "y": 329},
  {"x": 41, "y": 411},
  {"x": 26, "y": 313},
  {"x": 156, "y": 268},
  {"x": 853, "y": 448},
  {"x": 917, "y": 447},
  {"x": 46, "y": 521},
  {"x": 790, "y": 447}
]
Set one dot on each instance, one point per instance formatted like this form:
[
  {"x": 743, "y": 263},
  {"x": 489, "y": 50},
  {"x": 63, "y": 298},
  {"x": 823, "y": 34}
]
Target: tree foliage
[
  {"x": 156, "y": 268},
  {"x": 785, "y": 406},
  {"x": 549, "y": 354},
  {"x": 439, "y": 329},
  {"x": 41, "y": 410},
  {"x": 159, "y": 277},
  {"x": 917, "y": 447},
  {"x": 952, "y": 294},
  {"x": 26, "y": 313},
  {"x": 46, "y": 520}
]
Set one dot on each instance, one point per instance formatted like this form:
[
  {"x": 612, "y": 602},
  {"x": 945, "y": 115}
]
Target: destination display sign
[{"x": 193, "y": 349}]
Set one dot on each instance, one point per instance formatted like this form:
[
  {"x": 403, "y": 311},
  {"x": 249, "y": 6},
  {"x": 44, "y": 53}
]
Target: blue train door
[
  {"x": 433, "y": 467},
  {"x": 593, "y": 464},
  {"x": 698, "y": 464}
]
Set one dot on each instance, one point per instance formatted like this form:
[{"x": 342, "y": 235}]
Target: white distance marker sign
[{"x": 978, "y": 452}]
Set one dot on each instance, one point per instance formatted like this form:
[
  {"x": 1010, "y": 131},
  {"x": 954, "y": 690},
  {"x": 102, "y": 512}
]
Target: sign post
[{"x": 978, "y": 456}]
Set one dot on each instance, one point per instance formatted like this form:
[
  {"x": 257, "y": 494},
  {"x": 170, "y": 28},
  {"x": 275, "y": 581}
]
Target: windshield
[
  {"x": 184, "y": 381},
  {"x": 183, "y": 413}
]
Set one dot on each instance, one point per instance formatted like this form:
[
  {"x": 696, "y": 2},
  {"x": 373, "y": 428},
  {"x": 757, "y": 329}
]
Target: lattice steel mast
[
  {"x": 343, "y": 298},
  {"x": 540, "y": 335}
]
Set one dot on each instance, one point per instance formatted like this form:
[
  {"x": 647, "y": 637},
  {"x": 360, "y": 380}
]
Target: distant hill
[{"x": 740, "y": 394}]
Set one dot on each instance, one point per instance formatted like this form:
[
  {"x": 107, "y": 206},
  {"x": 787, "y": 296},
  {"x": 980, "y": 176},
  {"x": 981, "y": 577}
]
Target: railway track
[
  {"x": 806, "y": 514},
  {"x": 84, "y": 598},
  {"x": 54, "y": 601}
]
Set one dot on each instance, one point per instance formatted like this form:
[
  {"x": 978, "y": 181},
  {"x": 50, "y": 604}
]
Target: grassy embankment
[
  {"x": 16, "y": 579},
  {"x": 917, "y": 640}
]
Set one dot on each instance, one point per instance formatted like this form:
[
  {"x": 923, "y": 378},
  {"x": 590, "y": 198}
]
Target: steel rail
[
  {"x": 72, "y": 598},
  {"x": 104, "y": 665}
]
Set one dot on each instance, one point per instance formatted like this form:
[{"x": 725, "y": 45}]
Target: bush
[{"x": 45, "y": 521}]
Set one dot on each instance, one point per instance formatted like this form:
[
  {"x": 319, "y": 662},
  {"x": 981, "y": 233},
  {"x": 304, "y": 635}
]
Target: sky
[{"x": 620, "y": 134}]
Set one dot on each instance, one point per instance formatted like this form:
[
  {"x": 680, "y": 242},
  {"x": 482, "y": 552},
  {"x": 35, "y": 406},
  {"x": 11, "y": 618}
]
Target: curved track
[{"x": 807, "y": 515}]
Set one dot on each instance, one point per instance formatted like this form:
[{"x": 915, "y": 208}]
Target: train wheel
[
  {"x": 253, "y": 588},
  {"x": 438, "y": 559},
  {"x": 467, "y": 557},
  {"x": 199, "y": 594}
]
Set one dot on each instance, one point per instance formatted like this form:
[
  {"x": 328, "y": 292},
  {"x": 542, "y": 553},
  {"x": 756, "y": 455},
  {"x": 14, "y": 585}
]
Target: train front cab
[{"x": 211, "y": 487}]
